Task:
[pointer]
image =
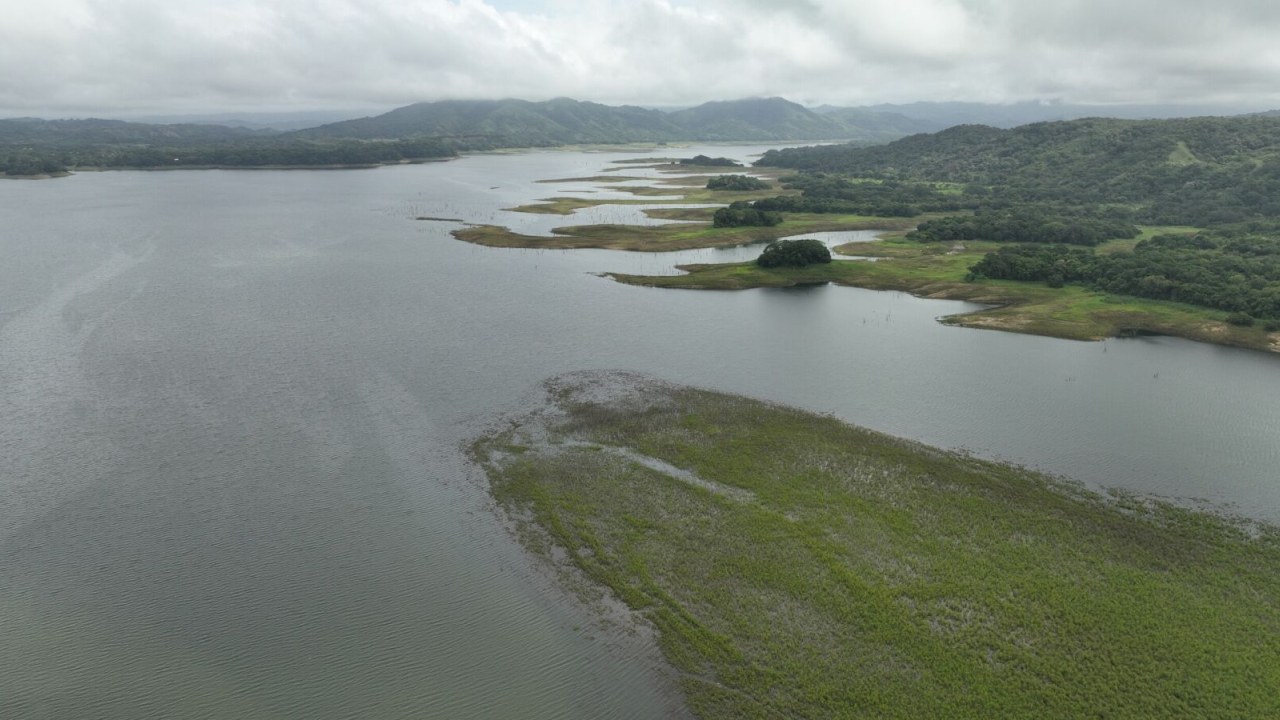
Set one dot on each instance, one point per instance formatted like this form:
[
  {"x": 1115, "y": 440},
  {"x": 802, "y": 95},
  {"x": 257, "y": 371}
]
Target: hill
[
  {"x": 520, "y": 123},
  {"x": 1188, "y": 171},
  {"x": 948, "y": 114},
  {"x": 66, "y": 133},
  {"x": 759, "y": 119}
]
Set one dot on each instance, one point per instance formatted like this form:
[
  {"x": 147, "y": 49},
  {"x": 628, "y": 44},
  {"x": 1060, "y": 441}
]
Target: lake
[{"x": 234, "y": 407}]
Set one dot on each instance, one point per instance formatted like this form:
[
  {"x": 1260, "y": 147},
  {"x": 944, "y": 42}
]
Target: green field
[
  {"x": 797, "y": 567},
  {"x": 937, "y": 270}
]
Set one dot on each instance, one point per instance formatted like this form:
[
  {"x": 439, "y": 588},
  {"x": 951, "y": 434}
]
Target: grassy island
[
  {"x": 939, "y": 271},
  {"x": 676, "y": 236},
  {"x": 795, "y": 566}
]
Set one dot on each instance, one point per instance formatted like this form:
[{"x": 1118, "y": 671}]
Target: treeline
[
  {"x": 245, "y": 153},
  {"x": 1024, "y": 226},
  {"x": 1236, "y": 269},
  {"x": 742, "y": 214},
  {"x": 828, "y": 193},
  {"x": 736, "y": 183}
]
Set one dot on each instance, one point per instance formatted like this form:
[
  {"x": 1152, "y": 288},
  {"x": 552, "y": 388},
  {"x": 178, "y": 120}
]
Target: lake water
[{"x": 232, "y": 406}]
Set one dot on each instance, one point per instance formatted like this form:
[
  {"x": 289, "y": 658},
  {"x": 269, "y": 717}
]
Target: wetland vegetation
[{"x": 796, "y": 566}]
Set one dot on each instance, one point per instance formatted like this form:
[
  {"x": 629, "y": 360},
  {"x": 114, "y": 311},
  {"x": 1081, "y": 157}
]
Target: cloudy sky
[{"x": 76, "y": 57}]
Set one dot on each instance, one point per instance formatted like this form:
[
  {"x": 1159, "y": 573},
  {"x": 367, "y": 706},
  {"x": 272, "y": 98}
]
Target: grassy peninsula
[
  {"x": 940, "y": 271},
  {"x": 665, "y": 238},
  {"x": 795, "y": 566}
]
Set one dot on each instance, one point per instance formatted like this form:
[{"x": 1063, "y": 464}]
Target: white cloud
[{"x": 120, "y": 56}]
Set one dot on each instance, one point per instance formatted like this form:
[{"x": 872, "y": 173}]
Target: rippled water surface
[{"x": 232, "y": 406}]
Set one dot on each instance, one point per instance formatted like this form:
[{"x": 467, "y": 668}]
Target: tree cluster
[
  {"x": 794, "y": 253},
  {"x": 740, "y": 214},
  {"x": 706, "y": 161},
  {"x": 1235, "y": 270},
  {"x": 1026, "y": 225},
  {"x": 736, "y": 183}
]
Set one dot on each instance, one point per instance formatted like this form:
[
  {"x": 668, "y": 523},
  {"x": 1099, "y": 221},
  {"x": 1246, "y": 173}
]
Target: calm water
[{"x": 231, "y": 405}]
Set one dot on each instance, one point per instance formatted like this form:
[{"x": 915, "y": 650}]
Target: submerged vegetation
[{"x": 795, "y": 566}]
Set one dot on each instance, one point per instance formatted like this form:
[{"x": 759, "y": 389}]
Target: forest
[
  {"x": 1196, "y": 171},
  {"x": 1236, "y": 269},
  {"x": 832, "y": 193},
  {"x": 742, "y": 214},
  {"x": 1024, "y": 224},
  {"x": 736, "y": 183}
]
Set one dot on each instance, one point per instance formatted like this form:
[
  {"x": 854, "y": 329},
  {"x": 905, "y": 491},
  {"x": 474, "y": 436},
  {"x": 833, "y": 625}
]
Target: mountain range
[
  {"x": 564, "y": 121},
  {"x": 507, "y": 123}
]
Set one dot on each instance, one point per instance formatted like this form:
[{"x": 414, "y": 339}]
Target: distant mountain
[
  {"x": 888, "y": 125},
  {"x": 555, "y": 122},
  {"x": 950, "y": 114},
  {"x": 279, "y": 121},
  {"x": 759, "y": 119},
  {"x": 92, "y": 131},
  {"x": 517, "y": 123}
]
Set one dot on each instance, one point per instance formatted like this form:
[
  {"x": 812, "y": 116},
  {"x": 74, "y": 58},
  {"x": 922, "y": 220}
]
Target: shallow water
[{"x": 234, "y": 403}]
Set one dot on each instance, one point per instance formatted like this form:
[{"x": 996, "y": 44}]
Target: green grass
[
  {"x": 843, "y": 573},
  {"x": 1181, "y": 155}
]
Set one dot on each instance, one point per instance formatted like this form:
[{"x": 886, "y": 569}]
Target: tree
[{"x": 794, "y": 253}]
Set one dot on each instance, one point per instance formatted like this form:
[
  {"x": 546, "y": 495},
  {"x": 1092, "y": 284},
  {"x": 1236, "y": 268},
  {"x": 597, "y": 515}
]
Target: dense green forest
[
  {"x": 741, "y": 214},
  {"x": 736, "y": 183},
  {"x": 794, "y": 253},
  {"x": 1050, "y": 186},
  {"x": 1028, "y": 225},
  {"x": 831, "y": 193},
  {"x": 1236, "y": 269},
  {"x": 1193, "y": 171}
]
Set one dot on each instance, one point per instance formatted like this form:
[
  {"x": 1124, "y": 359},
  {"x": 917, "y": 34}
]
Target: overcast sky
[{"x": 79, "y": 57}]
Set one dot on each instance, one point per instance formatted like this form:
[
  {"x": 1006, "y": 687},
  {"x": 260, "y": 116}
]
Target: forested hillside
[
  {"x": 1045, "y": 187},
  {"x": 1187, "y": 171},
  {"x": 520, "y": 123}
]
